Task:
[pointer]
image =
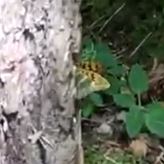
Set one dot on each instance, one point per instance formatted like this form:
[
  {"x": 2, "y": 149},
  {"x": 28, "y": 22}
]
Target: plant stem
[{"x": 139, "y": 99}]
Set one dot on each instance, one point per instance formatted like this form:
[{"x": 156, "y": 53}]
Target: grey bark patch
[{"x": 36, "y": 86}]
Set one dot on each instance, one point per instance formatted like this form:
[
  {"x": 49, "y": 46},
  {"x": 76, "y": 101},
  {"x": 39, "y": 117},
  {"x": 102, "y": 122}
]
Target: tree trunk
[{"x": 37, "y": 41}]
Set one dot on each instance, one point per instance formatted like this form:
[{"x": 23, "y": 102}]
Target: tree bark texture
[{"x": 37, "y": 41}]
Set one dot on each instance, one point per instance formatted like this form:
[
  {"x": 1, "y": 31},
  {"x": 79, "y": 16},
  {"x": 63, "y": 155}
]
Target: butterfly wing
[
  {"x": 88, "y": 82},
  {"x": 94, "y": 66}
]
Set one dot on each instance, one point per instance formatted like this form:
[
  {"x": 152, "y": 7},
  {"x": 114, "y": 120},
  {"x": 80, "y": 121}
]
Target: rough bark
[{"x": 37, "y": 41}]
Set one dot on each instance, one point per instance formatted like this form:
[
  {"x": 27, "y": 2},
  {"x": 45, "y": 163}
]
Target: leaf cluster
[{"x": 127, "y": 86}]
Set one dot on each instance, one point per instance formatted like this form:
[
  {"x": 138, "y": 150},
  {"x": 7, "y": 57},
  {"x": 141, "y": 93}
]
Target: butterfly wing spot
[
  {"x": 97, "y": 67},
  {"x": 91, "y": 66}
]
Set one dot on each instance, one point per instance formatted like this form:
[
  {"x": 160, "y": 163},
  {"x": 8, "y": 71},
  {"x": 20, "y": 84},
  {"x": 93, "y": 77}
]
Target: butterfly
[
  {"x": 89, "y": 78},
  {"x": 91, "y": 66}
]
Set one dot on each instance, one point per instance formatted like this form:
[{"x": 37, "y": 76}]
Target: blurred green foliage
[{"x": 128, "y": 27}]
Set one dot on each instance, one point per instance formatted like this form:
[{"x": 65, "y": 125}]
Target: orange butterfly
[{"x": 89, "y": 78}]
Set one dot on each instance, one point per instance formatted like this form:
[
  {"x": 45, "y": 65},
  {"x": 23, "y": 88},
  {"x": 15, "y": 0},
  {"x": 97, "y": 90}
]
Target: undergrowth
[
  {"x": 125, "y": 37},
  {"x": 95, "y": 156}
]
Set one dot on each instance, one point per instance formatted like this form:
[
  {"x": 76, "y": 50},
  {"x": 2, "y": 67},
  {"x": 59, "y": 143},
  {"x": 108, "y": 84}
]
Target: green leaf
[
  {"x": 96, "y": 99},
  {"x": 117, "y": 70},
  {"x": 154, "y": 105},
  {"x": 115, "y": 85},
  {"x": 138, "y": 79},
  {"x": 124, "y": 100},
  {"x": 88, "y": 110},
  {"x": 104, "y": 55},
  {"x": 155, "y": 120},
  {"x": 134, "y": 121}
]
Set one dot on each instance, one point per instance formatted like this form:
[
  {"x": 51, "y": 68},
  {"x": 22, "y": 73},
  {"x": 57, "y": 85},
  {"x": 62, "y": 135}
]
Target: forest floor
[
  {"x": 105, "y": 138},
  {"x": 105, "y": 143}
]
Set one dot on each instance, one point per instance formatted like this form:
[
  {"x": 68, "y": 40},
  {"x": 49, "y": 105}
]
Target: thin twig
[
  {"x": 111, "y": 17},
  {"x": 155, "y": 64},
  {"x": 159, "y": 158},
  {"x": 110, "y": 159},
  {"x": 140, "y": 44},
  {"x": 96, "y": 21}
]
